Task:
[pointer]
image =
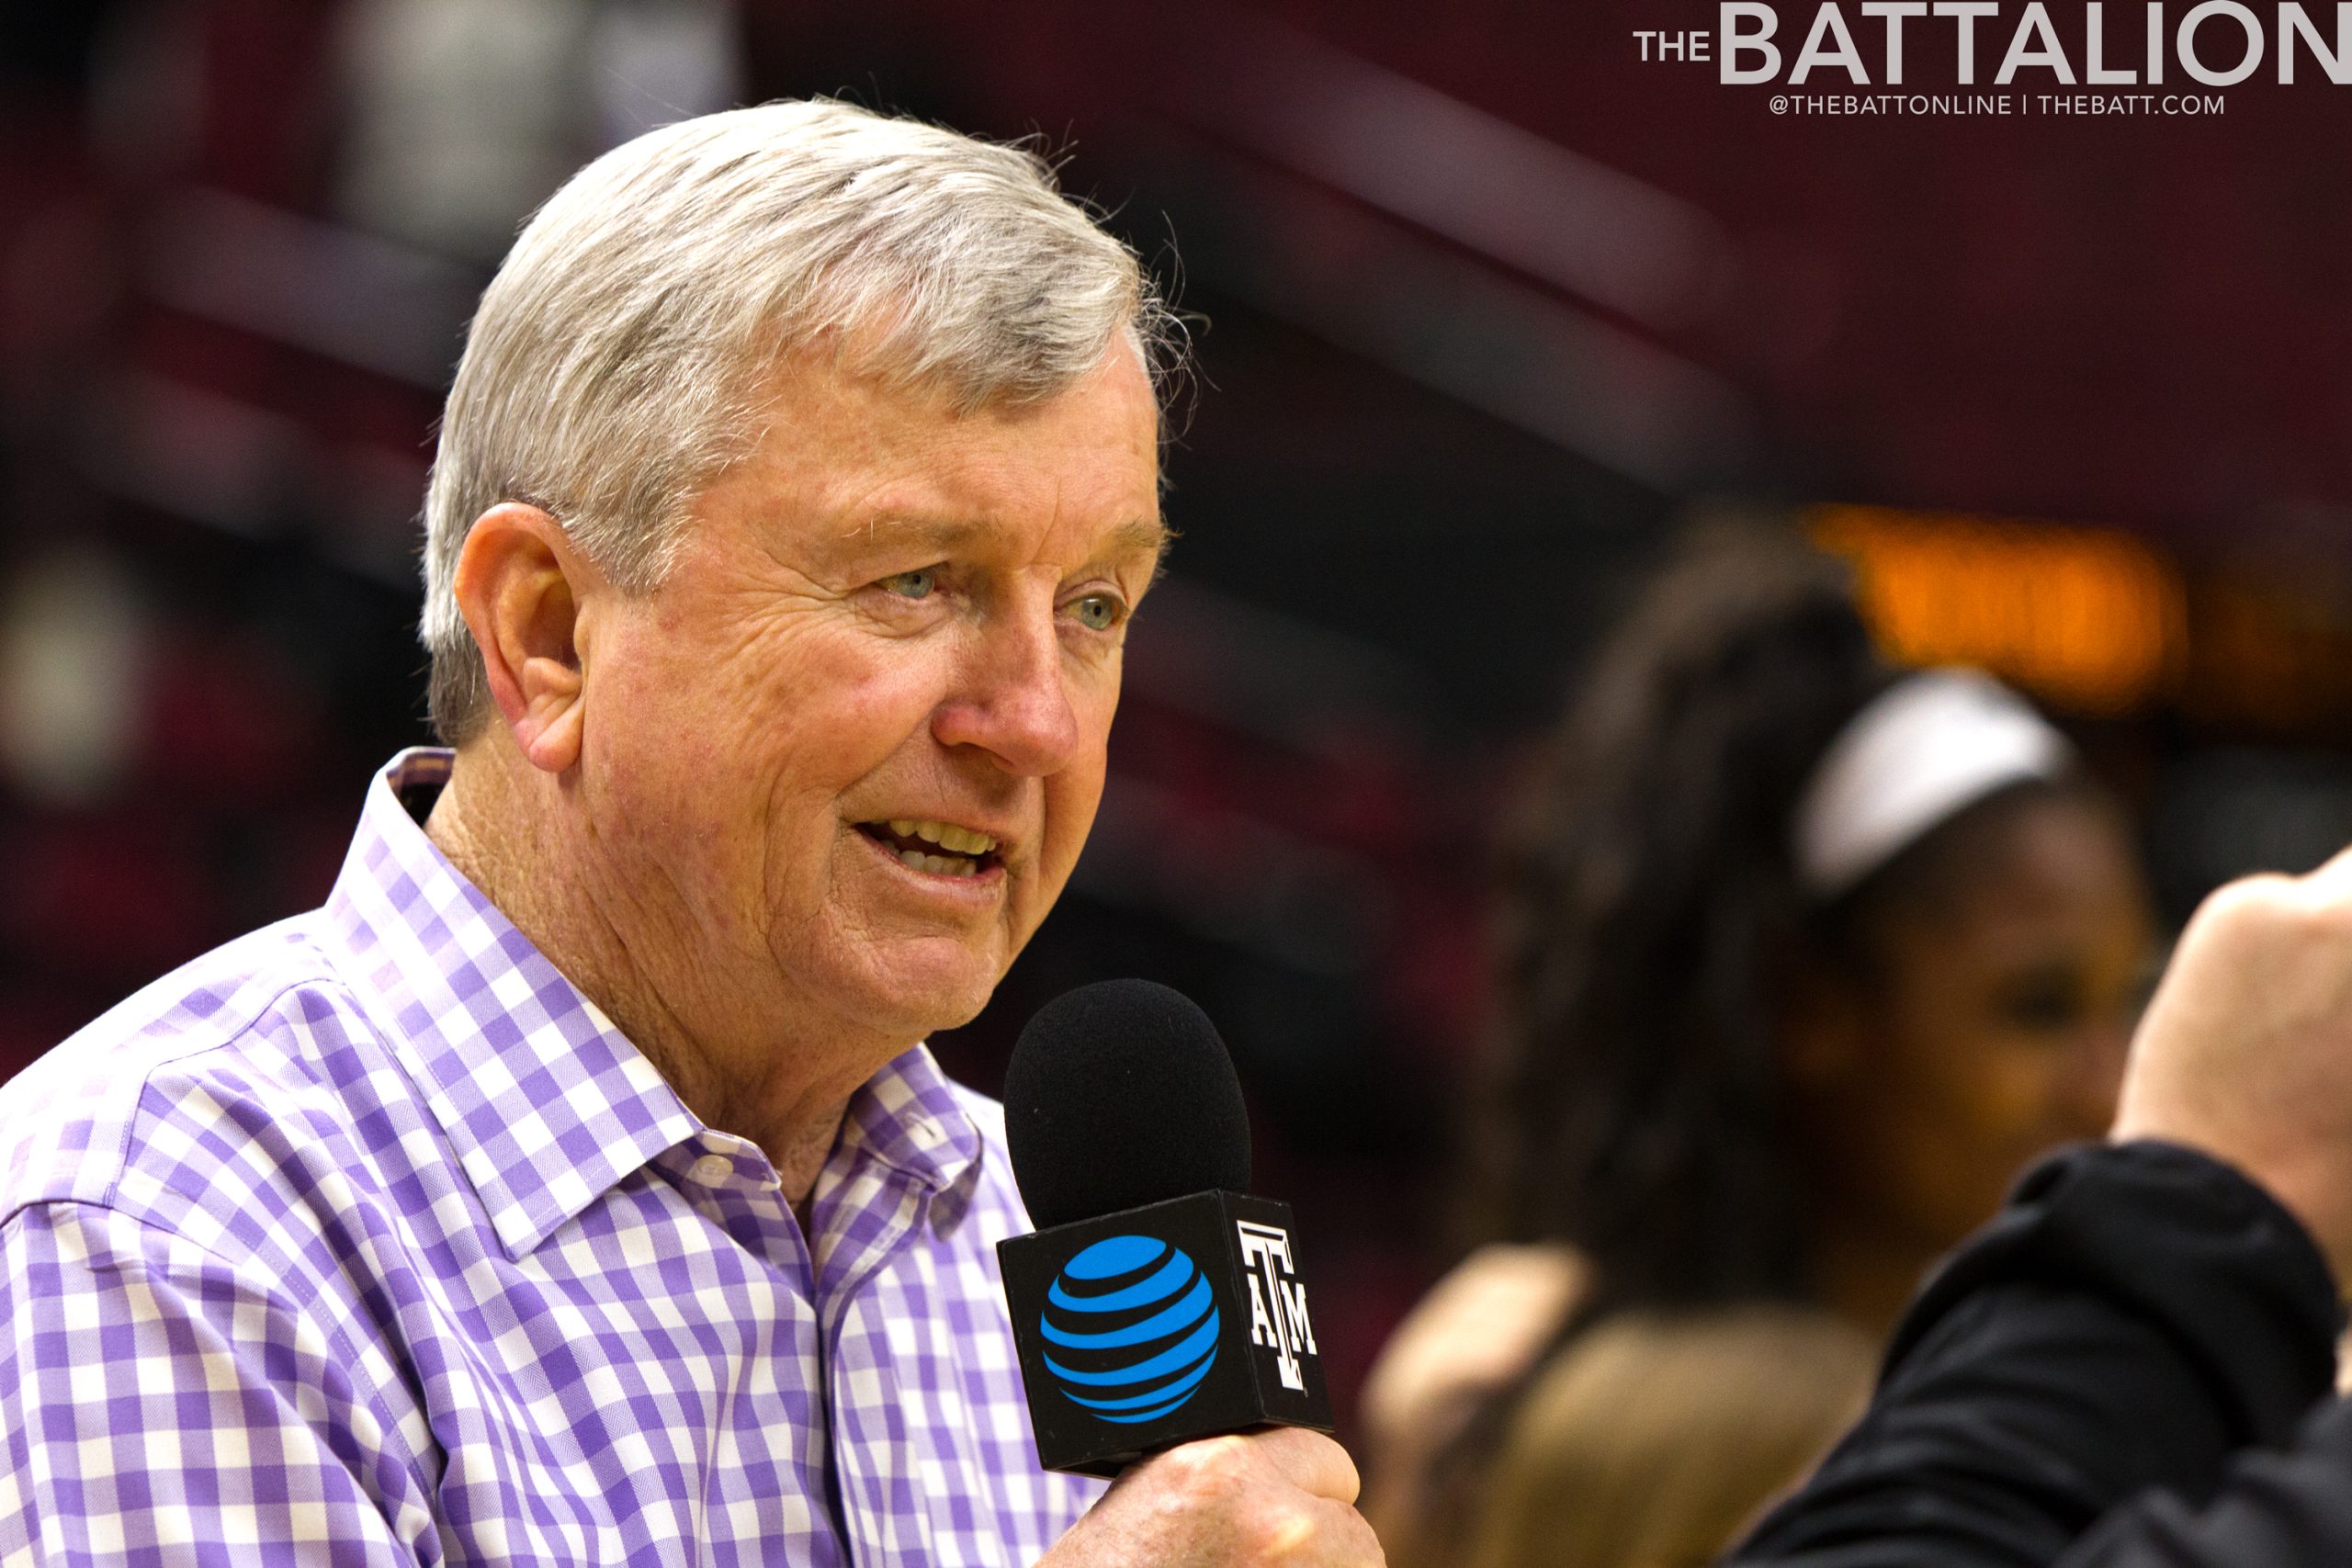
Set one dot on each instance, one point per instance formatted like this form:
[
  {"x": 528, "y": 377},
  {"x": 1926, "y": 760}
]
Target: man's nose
[{"x": 1011, "y": 695}]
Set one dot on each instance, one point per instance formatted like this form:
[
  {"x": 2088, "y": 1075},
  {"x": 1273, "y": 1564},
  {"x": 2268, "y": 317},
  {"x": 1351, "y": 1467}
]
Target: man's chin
[{"x": 913, "y": 995}]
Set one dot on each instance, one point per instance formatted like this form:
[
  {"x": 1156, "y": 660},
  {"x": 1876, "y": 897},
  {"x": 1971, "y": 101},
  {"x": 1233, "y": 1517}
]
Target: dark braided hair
[{"x": 1650, "y": 919}]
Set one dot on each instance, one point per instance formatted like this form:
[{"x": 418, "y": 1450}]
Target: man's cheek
[{"x": 1065, "y": 836}]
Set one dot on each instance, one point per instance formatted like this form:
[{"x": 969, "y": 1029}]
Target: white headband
[{"x": 1920, "y": 750}]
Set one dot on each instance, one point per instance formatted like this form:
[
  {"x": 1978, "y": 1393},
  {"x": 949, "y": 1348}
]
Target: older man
[{"x": 574, "y": 1187}]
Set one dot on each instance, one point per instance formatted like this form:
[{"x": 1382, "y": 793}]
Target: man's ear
[{"x": 520, "y": 583}]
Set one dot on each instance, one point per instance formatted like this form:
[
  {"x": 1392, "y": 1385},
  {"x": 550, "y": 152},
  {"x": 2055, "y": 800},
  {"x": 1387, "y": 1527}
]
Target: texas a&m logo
[{"x": 1278, "y": 1319}]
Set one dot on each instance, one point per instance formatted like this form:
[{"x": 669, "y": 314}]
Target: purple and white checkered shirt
[{"x": 369, "y": 1239}]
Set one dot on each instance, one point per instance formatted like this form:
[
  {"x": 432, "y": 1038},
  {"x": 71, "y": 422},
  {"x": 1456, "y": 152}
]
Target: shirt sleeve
[
  {"x": 158, "y": 1404},
  {"x": 2103, "y": 1375}
]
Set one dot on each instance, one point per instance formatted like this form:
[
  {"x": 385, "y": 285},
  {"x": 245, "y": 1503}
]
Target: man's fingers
[
  {"x": 1310, "y": 1461},
  {"x": 1271, "y": 1499},
  {"x": 1338, "y": 1535},
  {"x": 2334, "y": 878}
]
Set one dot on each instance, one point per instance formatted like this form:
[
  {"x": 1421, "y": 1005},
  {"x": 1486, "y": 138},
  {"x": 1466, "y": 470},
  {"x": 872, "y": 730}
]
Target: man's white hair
[{"x": 615, "y": 366}]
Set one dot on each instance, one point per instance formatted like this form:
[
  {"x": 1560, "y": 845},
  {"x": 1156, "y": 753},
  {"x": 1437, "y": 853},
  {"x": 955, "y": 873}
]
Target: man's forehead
[
  {"x": 867, "y": 468},
  {"x": 835, "y": 399}
]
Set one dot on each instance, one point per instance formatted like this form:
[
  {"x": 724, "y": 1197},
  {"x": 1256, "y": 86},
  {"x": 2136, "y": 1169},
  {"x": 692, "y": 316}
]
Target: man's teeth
[
  {"x": 950, "y": 865},
  {"x": 958, "y": 846},
  {"x": 946, "y": 835}
]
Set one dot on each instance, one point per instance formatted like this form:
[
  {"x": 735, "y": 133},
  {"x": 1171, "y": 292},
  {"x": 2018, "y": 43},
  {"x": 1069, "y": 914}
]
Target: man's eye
[
  {"x": 1098, "y": 612},
  {"x": 912, "y": 584}
]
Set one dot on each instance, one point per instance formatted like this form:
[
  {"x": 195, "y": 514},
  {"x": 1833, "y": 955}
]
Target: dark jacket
[{"x": 2126, "y": 1367}]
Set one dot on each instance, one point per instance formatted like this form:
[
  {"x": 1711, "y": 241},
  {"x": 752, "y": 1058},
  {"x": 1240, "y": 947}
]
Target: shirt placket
[
  {"x": 874, "y": 1449},
  {"x": 738, "y": 1188}
]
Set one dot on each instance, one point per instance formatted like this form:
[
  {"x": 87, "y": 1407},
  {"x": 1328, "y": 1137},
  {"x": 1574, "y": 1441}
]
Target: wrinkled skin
[{"x": 888, "y": 612}]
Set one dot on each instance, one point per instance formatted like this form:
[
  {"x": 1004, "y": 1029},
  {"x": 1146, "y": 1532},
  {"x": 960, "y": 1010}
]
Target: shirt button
[
  {"x": 712, "y": 1169},
  {"x": 925, "y": 1132}
]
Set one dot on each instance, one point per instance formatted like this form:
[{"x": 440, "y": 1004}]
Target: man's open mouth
[{"x": 944, "y": 849}]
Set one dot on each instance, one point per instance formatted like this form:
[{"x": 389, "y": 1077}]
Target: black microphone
[{"x": 1157, "y": 1300}]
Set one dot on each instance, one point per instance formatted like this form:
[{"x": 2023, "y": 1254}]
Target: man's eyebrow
[
  {"x": 896, "y": 528},
  {"x": 1142, "y": 535},
  {"x": 1138, "y": 536}
]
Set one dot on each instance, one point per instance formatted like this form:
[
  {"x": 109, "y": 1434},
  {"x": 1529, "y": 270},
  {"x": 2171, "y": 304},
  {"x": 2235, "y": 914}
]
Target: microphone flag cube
[{"x": 1148, "y": 1327}]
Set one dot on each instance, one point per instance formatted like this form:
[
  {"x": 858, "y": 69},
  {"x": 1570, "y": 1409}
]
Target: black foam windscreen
[{"x": 1120, "y": 1094}]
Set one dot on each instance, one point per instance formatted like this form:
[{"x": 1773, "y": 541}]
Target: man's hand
[
  {"x": 2247, "y": 1051},
  {"x": 1286, "y": 1497}
]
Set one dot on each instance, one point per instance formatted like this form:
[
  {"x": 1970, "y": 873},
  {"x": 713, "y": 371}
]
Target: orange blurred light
[{"x": 2089, "y": 619}]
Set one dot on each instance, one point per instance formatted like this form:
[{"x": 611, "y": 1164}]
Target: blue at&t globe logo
[{"x": 1134, "y": 1329}]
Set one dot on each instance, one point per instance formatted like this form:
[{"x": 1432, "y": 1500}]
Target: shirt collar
[
  {"x": 546, "y": 1102},
  {"x": 908, "y": 1117}
]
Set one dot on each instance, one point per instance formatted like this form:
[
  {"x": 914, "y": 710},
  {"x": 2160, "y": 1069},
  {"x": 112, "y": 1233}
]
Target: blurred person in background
[
  {"x": 1802, "y": 959},
  {"x": 1654, "y": 1441}
]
